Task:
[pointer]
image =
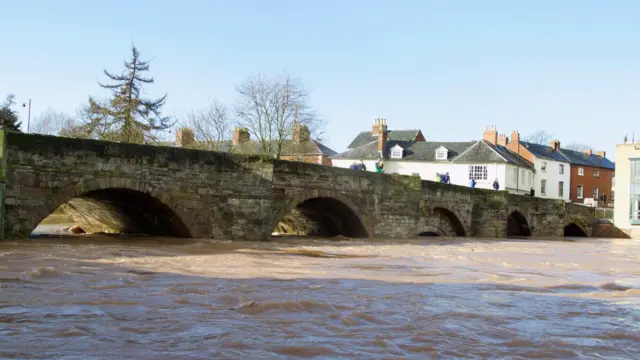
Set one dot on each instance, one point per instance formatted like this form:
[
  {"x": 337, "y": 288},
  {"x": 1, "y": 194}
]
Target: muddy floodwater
[{"x": 89, "y": 297}]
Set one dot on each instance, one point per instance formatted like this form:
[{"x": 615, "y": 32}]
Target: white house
[
  {"x": 552, "y": 168},
  {"x": 406, "y": 152},
  {"x": 626, "y": 215}
]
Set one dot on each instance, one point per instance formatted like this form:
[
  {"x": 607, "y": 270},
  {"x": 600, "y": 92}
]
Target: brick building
[
  {"x": 300, "y": 147},
  {"x": 591, "y": 176}
]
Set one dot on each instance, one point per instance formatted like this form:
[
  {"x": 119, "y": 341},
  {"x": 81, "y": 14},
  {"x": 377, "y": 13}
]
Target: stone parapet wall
[{"x": 230, "y": 196}]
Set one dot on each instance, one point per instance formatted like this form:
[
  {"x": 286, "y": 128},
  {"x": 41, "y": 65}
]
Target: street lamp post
[{"x": 29, "y": 114}]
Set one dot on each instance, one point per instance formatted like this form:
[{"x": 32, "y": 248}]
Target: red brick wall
[
  {"x": 589, "y": 182},
  {"x": 524, "y": 153},
  {"x": 419, "y": 137}
]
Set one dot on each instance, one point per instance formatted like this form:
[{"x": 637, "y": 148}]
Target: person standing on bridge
[
  {"x": 496, "y": 185},
  {"x": 379, "y": 166},
  {"x": 473, "y": 183},
  {"x": 363, "y": 167}
]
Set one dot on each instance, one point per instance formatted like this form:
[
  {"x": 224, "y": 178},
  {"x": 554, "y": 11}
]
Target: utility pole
[
  {"x": 518, "y": 169},
  {"x": 29, "y": 114}
]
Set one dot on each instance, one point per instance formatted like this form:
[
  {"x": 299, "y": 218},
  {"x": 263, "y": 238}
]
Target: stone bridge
[{"x": 191, "y": 193}]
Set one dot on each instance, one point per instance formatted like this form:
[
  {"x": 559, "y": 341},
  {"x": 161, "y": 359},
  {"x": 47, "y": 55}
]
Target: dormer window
[
  {"x": 442, "y": 153},
  {"x": 396, "y": 152}
]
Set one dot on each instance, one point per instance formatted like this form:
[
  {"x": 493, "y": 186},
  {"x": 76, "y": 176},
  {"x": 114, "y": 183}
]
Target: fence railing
[{"x": 604, "y": 213}]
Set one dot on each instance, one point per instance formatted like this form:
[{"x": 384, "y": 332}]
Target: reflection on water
[{"x": 97, "y": 297}]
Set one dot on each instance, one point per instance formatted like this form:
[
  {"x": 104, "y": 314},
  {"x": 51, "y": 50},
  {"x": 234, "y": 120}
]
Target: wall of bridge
[{"x": 217, "y": 195}]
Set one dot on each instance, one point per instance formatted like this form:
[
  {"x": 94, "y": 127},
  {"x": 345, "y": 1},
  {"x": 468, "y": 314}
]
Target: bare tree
[
  {"x": 539, "y": 137},
  {"x": 52, "y": 122},
  {"x": 269, "y": 107},
  {"x": 577, "y": 147},
  {"x": 211, "y": 126}
]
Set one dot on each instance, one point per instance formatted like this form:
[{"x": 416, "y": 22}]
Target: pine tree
[
  {"x": 127, "y": 117},
  {"x": 8, "y": 117}
]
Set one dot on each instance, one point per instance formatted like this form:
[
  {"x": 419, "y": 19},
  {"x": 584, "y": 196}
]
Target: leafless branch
[
  {"x": 269, "y": 107},
  {"x": 577, "y": 147},
  {"x": 539, "y": 137},
  {"x": 211, "y": 126},
  {"x": 52, "y": 122}
]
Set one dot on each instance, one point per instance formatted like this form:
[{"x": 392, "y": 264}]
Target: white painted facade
[
  {"x": 343, "y": 163},
  {"x": 552, "y": 172},
  {"x": 519, "y": 180},
  {"x": 458, "y": 173},
  {"x": 626, "y": 215}
]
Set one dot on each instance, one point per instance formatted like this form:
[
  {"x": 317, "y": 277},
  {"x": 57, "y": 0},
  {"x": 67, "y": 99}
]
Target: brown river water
[{"x": 92, "y": 297}]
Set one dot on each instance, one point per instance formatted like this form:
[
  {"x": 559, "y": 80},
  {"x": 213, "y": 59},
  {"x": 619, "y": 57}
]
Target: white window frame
[
  {"x": 479, "y": 172},
  {"x": 596, "y": 193},
  {"x": 441, "y": 155},
  {"x": 596, "y": 173},
  {"x": 543, "y": 168},
  {"x": 579, "y": 192},
  {"x": 560, "y": 188},
  {"x": 396, "y": 153},
  {"x": 561, "y": 169},
  {"x": 580, "y": 171},
  {"x": 543, "y": 187}
]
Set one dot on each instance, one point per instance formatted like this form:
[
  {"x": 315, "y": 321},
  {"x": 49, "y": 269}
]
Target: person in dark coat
[
  {"x": 363, "y": 167},
  {"x": 496, "y": 185}
]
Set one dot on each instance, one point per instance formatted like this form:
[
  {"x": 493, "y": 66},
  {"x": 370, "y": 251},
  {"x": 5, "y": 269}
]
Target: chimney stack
[
  {"x": 588, "y": 152},
  {"x": 240, "y": 135},
  {"x": 300, "y": 133},
  {"x": 185, "y": 137},
  {"x": 382, "y": 142},
  {"x": 555, "y": 144},
  {"x": 379, "y": 126},
  {"x": 601, "y": 153},
  {"x": 515, "y": 137},
  {"x": 503, "y": 140},
  {"x": 490, "y": 134}
]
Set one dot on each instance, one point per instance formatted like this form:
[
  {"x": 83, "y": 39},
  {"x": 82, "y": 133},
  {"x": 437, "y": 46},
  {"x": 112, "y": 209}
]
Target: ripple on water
[{"x": 337, "y": 300}]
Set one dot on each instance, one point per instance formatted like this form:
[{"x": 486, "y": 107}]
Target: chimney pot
[
  {"x": 490, "y": 135},
  {"x": 379, "y": 126},
  {"x": 502, "y": 140}
]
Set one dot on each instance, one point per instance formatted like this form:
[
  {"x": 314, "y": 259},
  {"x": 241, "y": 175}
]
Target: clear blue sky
[{"x": 570, "y": 67}]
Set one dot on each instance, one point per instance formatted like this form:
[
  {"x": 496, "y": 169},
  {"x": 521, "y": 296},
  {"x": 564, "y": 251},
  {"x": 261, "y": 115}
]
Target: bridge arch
[
  {"x": 430, "y": 231},
  {"x": 322, "y": 213},
  {"x": 441, "y": 221},
  {"x": 517, "y": 224},
  {"x": 138, "y": 206},
  {"x": 575, "y": 228}
]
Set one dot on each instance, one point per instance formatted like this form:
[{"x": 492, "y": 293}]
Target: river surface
[{"x": 91, "y": 297}]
